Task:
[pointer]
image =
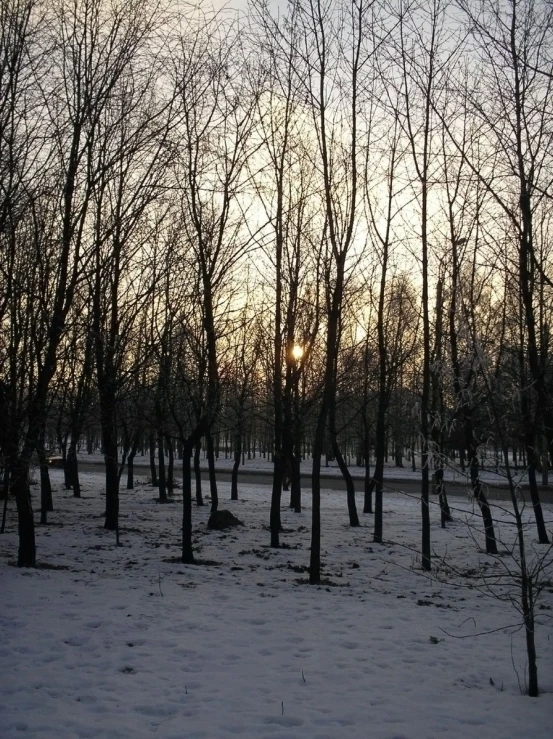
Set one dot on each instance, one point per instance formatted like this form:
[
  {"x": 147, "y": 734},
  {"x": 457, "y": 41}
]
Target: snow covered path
[
  {"x": 128, "y": 642},
  {"x": 259, "y": 464}
]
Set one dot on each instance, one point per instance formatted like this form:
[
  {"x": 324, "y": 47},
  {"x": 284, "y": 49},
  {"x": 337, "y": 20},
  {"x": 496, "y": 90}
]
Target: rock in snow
[{"x": 223, "y": 520}]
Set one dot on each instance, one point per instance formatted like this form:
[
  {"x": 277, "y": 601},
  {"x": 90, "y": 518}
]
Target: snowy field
[{"x": 121, "y": 643}]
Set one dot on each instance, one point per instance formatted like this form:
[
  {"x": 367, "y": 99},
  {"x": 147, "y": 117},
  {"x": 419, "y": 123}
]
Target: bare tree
[
  {"x": 383, "y": 238},
  {"x": 240, "y": 384},
  {"x": 62, "y": 109},
  {"x": 336, "y": 46},
  {"x": 421, "y": 40},
  {"x": 510, "y": 99},
  {"x": 129, "y": 157},
  {"x": 217, "y": 112},
  {"x": 285, "y": 187}
]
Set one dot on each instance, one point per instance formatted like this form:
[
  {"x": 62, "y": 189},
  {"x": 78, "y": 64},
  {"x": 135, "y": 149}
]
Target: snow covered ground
[{"x": 108, "y": 642}]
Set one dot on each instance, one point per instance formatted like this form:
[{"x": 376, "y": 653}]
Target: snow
[{"x": 129, "y": 642}]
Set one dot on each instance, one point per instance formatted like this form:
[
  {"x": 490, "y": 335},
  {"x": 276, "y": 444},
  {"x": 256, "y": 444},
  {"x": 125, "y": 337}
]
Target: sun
[{"x": 297, "y": 352}]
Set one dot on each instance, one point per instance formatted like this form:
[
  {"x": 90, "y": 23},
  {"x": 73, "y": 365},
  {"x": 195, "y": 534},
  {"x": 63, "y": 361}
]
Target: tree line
[{"x": 325, "y": 227}]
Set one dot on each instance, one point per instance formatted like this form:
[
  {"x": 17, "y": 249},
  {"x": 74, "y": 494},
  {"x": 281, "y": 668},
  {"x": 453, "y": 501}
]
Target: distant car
[{"x": 54, "y": 460}]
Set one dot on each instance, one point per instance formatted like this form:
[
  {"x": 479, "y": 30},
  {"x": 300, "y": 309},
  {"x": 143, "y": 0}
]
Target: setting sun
[{"x": 297, "y": 352}]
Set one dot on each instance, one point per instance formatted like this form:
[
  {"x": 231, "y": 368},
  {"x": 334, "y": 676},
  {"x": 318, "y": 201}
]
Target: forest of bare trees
[{"x": 317, "y": 230}]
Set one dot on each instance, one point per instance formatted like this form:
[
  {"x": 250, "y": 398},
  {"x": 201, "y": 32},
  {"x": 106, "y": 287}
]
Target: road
[{"x": 332, "y": 482}]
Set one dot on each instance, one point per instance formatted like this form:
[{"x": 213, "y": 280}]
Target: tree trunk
[
  {"x": 161, "y": 463},
  {"x": 235, "y": 466},
  {"x": 329, "y": 394},
  {"x": 25, "y": 519},
  {"x": 544, "y": 465},
  {"x": 398, "y": 453},
  {"x": 130, "y": 471},
  {"x": 274, "y": 519},
  {"x": 533, "y": 485},
  {"x": 528, "y": 612},
  {"x": 350, "y": 488},
  {"x": 198, "y": 474},
  {"x": 112, "y": 482},
  {"x": 5, "y": 490},
  {"x": 295, "y": 493},
  {"x": 527, "y": 285},
  {"x": 477, "y": 491},
  {"x": 73, "y": 467},
  {"x": 368, "y": 483},
  {"x": 170, "y": 466},
  {"x": 130, "y": 460},
  {"x": 445, "y": 512},
  {"x": 425, "y": 403},
  {"x": 212, "y": 475},
  {"x": 46, "y": 502},
  {"x": 380, "y": 452},
  {"x": 187, "y": 553},
  {"x": 66, "y": 471},
  {"x": 318, "y": 446},
  {"x": 295, "y": 484},
  {"x": 153, "y": 470}
]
